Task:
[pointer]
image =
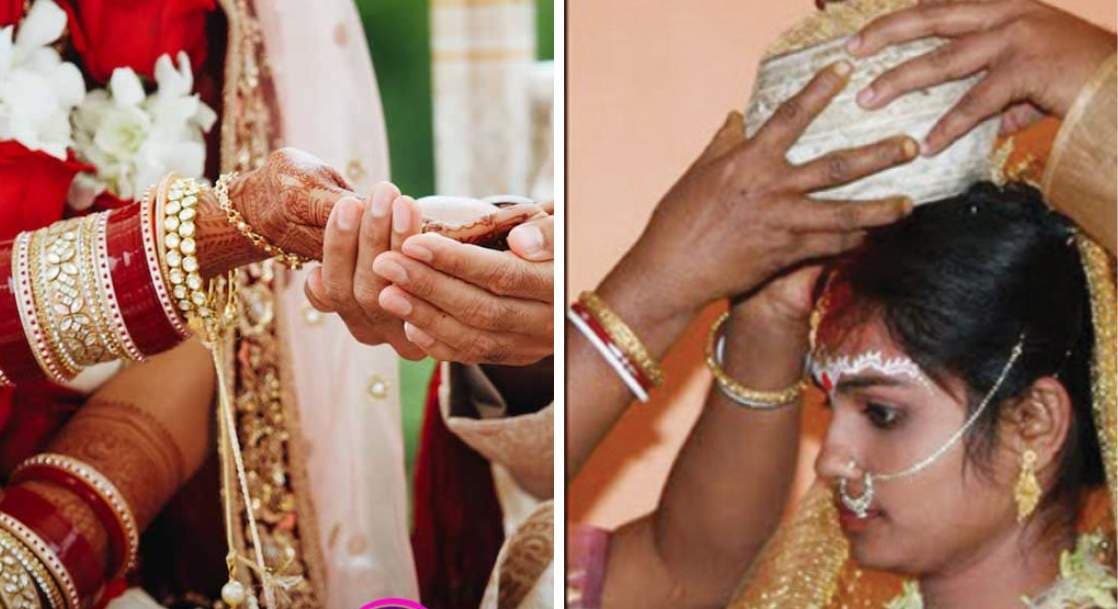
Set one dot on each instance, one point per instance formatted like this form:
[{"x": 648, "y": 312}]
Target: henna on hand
[
  {"x": 221, "y": 247},
  {"x": 131, "y": 448},
  {"x": 75, "y": 511},
  {"x": 289, "y": 199}
]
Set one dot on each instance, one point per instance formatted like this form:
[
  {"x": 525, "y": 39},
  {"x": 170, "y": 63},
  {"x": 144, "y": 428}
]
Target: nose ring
[{"x": 860, "y": 505}]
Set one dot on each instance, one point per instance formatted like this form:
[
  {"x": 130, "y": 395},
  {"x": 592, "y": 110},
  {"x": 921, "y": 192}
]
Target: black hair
[{"x": 958, "y": 283}]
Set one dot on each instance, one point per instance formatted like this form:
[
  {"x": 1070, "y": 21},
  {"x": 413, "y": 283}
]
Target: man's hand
[
  {"x": 356, "y": 233},
  {"x": 469, "y": 304},
  {"x": 1036, "y": 58},
  {"x": 742, "y": 212}
]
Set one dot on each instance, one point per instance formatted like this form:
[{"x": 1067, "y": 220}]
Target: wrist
[
  {"x": 769, "y": 318},
  {"x": 221, "y": 247},
  {"x": 647, "y": 298},
  {"x": 760, "y": 329}
]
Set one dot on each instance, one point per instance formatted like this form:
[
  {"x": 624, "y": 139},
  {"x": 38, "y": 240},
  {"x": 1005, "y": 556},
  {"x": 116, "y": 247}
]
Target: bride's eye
[{"x": 882, "y": 416}]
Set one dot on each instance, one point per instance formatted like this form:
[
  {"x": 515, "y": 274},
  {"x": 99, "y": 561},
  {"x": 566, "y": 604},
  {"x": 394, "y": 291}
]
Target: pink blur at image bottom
[{"x": 393, "y": 603}]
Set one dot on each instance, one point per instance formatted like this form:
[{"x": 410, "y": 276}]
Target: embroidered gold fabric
[
  {"x": 526, "y": 556},
  {"x": 1086, "y": 141},
  {"x": 267, "y": 422}
]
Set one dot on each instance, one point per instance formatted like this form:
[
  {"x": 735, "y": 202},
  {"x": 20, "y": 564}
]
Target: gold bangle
[
  {"x": 45, "y": 556},
  {"x": 105, "y": 346},
  {"x": 221, "y": 190},
  {"x": 15, "y": 551},
  {"x": 25, "y": 304},
  {"x": 179, "y": 252},
  {"x": 624, "y": 337},
  {"x": 76, "y": 320},
  {"x": 752, "y": 398},
  {"x": 38, "y": 317}
]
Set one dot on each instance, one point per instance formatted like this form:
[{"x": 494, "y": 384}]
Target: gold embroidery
[{"x": 267, "y": 424}]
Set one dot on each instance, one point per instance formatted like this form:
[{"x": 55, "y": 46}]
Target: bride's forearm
[
  {"x": 103, "y": 287},
  {"x": 109, "y": 471},
  {"x": 221, "y": 247},
  {"x": 727, "y": 487}
]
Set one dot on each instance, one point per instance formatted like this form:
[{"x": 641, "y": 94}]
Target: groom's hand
[
  {"x": 356, "y": 233},
  {"x": 468, "y": 304}
]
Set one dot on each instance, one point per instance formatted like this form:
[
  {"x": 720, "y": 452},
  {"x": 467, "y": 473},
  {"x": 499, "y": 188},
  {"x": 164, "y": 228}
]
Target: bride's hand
[
  {"x": 289, "y": 200},
  {"x": 786, "y": 300}
]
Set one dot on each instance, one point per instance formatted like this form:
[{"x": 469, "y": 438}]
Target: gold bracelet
[
  {"x": 179, "y": 252},
  {"x": 69, "y": 306},
  {"x": 752, "y": 398},
  {"x": 13, "y": 550},
  {"x": 221, "y": 189},
  {"x": 77, "y": 322},
  {"x": 102, "y": 345},
  {"x": 34, "y": 308},
  {"x": 43, "y": 553},
  {"x": 623, "y": 337}
]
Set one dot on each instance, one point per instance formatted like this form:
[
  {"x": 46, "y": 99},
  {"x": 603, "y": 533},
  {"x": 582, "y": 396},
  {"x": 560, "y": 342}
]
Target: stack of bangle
[
  {"x": 99, "y": 494},
  {"x": 735, "y": 391},
  {"x": 63, "y": 554},
  {"x": 82, "y": 294},
  {"x": 617, "y": 343},
  {"x": 112, "y": 285}
]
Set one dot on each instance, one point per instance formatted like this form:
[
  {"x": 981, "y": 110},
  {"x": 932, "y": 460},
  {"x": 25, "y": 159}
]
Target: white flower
[
  {"x": 37, "y": 89},
  {"x": 134, "y": 140}
]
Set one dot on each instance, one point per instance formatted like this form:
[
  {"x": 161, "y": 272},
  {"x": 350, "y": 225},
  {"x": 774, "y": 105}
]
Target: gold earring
[{"x": 1027, "y": 492}]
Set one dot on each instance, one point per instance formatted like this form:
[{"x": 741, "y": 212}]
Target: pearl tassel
[{"x": 214, "y": 334}]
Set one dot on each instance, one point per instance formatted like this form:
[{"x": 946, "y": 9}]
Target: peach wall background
[{"x": 648, "y": 83}]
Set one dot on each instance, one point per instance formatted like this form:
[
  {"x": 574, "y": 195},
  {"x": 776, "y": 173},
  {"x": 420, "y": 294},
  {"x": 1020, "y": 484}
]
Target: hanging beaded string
[{"x": 211, "y": 307}]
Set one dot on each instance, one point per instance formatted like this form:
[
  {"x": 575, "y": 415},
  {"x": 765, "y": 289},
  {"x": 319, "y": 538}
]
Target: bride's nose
[
  {"x": 834, "y": 463},
  {"x": 837, "y": 457}
]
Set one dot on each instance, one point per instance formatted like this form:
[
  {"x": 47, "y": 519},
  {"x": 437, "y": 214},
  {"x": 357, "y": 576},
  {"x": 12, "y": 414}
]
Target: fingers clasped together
[{"x": 428, "y": 295}]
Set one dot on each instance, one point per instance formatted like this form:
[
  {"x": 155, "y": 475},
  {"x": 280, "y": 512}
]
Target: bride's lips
[{"x": 850, "y": 521}]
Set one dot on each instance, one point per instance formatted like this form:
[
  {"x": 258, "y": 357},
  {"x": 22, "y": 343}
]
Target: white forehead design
[{"x": 828, "y": 370}]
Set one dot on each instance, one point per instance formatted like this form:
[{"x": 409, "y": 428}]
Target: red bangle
[
  {"x": 133, "y": 284},
  {"x": 107, "y": 292},
  {"x": 122, "y": 546},
  {"x": 596, "y": 327},
  {"x": 62, "y": 539},
  {"x": 16, "y": 359}
]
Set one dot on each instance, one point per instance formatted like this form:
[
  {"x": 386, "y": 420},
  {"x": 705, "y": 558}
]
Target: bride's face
[{"x": 888, "y": 415}]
